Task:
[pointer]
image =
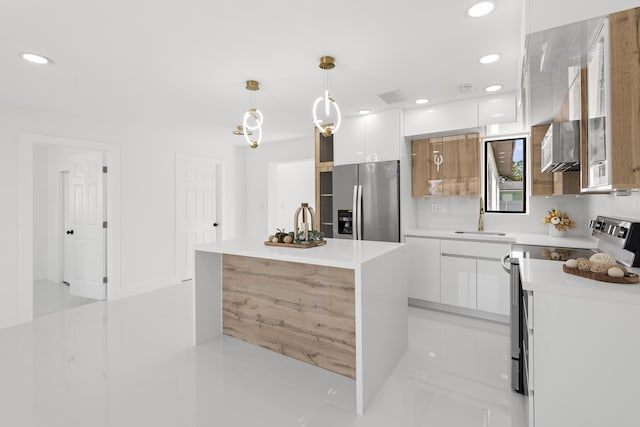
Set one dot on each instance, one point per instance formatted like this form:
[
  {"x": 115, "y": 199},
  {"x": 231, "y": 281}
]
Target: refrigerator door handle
[
  {"x": 359, "y": 212},
  {"x": 354, "y": 213}
]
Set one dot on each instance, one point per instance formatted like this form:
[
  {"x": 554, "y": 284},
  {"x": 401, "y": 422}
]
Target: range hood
[{"x": 561, "y": 147}]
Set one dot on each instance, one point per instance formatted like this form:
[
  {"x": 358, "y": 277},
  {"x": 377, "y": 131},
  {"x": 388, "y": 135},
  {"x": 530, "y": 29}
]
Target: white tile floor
[
  {"x": 50, "y": 296},
  {"x": 131, "y": 363}
]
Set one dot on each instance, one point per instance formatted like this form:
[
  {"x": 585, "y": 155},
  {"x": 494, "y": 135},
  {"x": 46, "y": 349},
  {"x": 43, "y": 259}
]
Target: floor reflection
[{"x": 131, "y": 363}]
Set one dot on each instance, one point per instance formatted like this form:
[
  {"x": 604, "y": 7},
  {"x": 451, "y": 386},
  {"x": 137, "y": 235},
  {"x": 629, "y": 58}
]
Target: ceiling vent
[
  {"x": 392, "y": 96},
  {"x": 465, "y": 87}
]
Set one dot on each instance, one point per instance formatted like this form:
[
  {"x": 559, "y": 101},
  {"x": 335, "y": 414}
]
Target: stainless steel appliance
[
  {"x": 366, "y": 201},
  {"x": 618, "y": 237},
  {"x": 561, "y": 147}
]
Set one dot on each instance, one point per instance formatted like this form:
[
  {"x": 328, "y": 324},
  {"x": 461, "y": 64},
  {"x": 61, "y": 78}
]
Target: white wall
[
  {"x": 40, "y": 213},
  {"x": 289, "y": 185},
  {"x": 616, "y": 206},
  {"x": 257, "y": 173},
  {"x": 147, "y": 195}
]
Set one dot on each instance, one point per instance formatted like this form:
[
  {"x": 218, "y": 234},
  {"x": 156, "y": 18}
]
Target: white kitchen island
[
  {"x": 584, "y": 351},
  {"x": 346, "y": 300}
]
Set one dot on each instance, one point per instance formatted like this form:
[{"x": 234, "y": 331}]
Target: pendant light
[
  {"x": 252, "y": 115},
  {"x": 239, "y": 130},
  {"x": 327, "y": 125}
]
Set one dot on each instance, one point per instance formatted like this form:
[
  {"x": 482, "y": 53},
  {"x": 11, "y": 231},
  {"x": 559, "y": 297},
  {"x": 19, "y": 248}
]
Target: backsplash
[
  {"x": 461, "y": 213},
  {"x": 617, "y": 206}
]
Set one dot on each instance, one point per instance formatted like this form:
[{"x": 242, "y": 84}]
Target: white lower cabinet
[
  {"x": 458, "y": 281},
  {"x": 492, "y": 287},
  {"x": 459, "y": 273},
  {"x": 424, "y": 268}
]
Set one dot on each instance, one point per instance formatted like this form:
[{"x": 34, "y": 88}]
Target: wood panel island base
[
  {"x": 340, "y": 307},
  {"x": 304, "y": 311}
]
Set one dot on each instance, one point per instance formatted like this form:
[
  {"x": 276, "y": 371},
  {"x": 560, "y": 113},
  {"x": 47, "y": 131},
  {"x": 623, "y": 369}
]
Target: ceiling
[{"x": 185, "y": 63}]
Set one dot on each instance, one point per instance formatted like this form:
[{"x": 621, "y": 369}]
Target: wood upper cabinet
[
  {"x": 446, "y": 166},
  {"x": 613, "y": 91},
  {"x": 624, "y": 30}
]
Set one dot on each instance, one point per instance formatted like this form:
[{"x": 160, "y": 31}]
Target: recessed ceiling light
[
  {"x": 489, "y": 59},
  {"x": 497, "y": 115},
  {"x": 480, "y": 9},
  {"x": 35, "y": 58},
  {"x": 363, "y": 111},
  {"x": 493, "y": 88},
  {"x": 421, "y": 101}
]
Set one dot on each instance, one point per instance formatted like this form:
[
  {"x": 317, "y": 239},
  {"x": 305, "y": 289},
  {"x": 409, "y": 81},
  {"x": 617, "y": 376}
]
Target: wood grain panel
[
  {"x": 566, "y": 183},
  {"x": 541, "y": 183},
  {"x": 624, "y": 42},
  {"x": 462, "y": 174},
  {"x": 459, "y": 171},
  {"x": 420, "y": 158},
  {"x": 303, "y": 311}
]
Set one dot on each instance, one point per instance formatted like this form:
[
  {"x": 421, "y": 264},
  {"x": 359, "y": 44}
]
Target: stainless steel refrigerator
[{"x": 366, "y": 201}]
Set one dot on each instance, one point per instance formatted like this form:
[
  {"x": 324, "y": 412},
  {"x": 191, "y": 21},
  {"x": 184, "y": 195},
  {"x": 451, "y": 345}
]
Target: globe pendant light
[
  {"x": 252, "y": 120},
  {"x": 327, "y": 125}
]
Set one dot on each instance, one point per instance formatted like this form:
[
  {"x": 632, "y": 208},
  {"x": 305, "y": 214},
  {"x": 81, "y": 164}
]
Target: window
[{"x": 505, "y": 175}]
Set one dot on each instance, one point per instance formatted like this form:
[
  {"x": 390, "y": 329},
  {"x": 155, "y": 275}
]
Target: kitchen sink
[{"x": 482, "y": 233}]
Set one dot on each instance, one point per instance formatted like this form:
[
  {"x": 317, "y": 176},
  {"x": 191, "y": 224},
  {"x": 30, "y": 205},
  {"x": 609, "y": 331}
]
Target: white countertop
[
  {"x": 521, "y": 238},
  {"x": 336, "y": 253},
  {"x": 548, "y": 276}
]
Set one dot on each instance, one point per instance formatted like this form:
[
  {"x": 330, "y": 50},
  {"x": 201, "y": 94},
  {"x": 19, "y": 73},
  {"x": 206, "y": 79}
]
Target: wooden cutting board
[{"x": 629, "y": 279}]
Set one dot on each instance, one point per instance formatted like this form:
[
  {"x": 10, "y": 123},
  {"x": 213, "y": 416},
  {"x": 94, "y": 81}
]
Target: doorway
[
  {"x": 69, "y": 235},
  {"x": 197, "y": 208},
  {"x": 85, "y": 237}
]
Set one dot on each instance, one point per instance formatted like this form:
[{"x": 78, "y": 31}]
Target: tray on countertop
[
  {"x": 628, "y": 279},
  {"x": 312, "y": 244}
]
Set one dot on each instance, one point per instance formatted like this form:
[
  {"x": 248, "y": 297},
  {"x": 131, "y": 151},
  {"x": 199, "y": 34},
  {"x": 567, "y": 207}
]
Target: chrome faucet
[{"x": 481, "y": 216}]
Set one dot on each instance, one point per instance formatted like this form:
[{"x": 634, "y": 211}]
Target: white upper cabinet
[
  {"x": 460, "y": 115},
  {"x": 370, "y": 138},
  {"x": 348, "y": 143},
  {"x": 501, "y": 109},
  {"x": 440, "y": 118}
]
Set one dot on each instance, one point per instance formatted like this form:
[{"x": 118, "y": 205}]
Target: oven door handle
[{"x": 506, "y": 260}]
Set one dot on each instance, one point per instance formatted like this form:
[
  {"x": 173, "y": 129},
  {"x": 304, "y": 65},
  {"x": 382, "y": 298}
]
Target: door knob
[
  {"x": 69, "y": 231},
  {"x": 215, "y": 224}
]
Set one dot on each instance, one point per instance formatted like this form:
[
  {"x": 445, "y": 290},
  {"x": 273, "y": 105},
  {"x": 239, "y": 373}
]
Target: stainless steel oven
[{"x": 519, "y": 309}]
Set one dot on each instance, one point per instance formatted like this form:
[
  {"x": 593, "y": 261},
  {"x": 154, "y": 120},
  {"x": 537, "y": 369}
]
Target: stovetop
[{"x": 549, "y": 253}]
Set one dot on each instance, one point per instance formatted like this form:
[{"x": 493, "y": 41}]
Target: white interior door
[
  {"x": 197, "y": 208},
  {"x": 86, "y": 235}
]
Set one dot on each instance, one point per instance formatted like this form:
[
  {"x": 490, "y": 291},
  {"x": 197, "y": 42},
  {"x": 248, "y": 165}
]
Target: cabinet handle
[{"x": 505, "y": 260}]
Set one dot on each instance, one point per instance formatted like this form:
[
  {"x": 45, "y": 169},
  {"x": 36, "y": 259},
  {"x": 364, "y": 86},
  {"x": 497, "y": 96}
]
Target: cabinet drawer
[{"x": 474, "y": 249}]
